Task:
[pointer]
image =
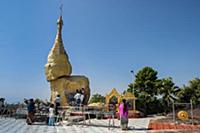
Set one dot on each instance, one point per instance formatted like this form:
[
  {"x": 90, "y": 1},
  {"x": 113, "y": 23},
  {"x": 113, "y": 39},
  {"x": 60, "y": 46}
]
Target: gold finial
[{"x": 60, "y": 24}]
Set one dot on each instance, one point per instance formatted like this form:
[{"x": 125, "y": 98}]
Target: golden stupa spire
[
  {"x": 58, "y": 64},
  {"x": 59, "y": 46},
  {"x": 60, "y": 24}
]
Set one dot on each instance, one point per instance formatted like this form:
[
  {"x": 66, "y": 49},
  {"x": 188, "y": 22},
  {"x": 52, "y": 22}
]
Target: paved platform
[{"x": 10, "y": 125}]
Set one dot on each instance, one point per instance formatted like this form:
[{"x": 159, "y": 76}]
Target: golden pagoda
[
  {"x": 58, "y": 63},
  {"x": 58, "y": 72}
]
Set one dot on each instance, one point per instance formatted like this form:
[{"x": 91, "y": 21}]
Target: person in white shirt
[
  {"x": 82, "y": 95},
  {"x": 51, "y": 115},
  {"x": 77, "y": 97},
  {"x": 81, "y": 98}
]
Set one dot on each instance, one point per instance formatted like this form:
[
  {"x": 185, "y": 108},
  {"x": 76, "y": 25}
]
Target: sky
[{"x": 104, "y": 39}]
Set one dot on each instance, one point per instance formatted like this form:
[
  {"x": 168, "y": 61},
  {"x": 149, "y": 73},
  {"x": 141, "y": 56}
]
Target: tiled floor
[{"x": 10, "y": 125}]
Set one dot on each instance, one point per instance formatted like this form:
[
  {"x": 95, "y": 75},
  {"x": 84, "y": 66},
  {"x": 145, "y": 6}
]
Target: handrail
[{"x": 85, "y": 111}]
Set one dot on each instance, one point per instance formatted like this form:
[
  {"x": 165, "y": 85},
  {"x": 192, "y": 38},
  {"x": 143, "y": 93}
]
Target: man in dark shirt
[
  {"x": 31, "y": 112},
  {"x": 57, "y": 103}
]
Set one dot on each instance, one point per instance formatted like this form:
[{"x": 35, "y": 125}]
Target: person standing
[
  {"x": 31, "y": 112},
  {"x": 123, "y": 112},
  {"x": 2, "y": 105},
  {"x": 77, "y": 97},
  {"x": 82, "y": 97},
  {"x": 51, "y": 115},
  {"x": 57, "y": 104},
  {"x": 2, "y": 102}
]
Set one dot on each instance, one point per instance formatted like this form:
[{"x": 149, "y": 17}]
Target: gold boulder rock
[{"x": 66, "y": 87}]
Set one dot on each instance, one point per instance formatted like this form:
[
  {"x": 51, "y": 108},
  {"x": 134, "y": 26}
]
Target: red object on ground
[{"x": 160, "y": 126}]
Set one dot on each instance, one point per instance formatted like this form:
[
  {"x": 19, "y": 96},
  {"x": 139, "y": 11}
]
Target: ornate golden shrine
[
  {"x": 127, "y": 95},
  {"x": 112, "y": 94}
]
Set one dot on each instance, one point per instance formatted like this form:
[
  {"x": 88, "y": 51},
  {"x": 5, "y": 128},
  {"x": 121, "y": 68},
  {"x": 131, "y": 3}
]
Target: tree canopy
[
  {"x": 154, "y": 95},
  {"x": 145, "y": 80},
  {"x": 190, "y": 92},
  {"x": 97, "y": 98}
]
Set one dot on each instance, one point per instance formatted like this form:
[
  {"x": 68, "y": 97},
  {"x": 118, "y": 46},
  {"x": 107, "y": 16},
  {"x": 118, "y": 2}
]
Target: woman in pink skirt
[{"x": 123, "y": 112}]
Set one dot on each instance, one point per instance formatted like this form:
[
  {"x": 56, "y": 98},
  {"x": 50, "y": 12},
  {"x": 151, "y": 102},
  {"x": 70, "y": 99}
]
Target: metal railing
[
  {"x": 85, "y": 112},
  {"x": 184, "y": 104}
]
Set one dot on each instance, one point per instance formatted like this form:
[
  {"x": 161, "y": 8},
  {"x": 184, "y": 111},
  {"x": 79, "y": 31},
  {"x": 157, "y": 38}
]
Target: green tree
[
  {"x": 145, "y": 80},
  {"x": 168, "y": 91},
  {"x": 191, "y": 92},
  {"x": 145, "y": 89},
  {"x": 156, "y": 95},
  {"x": 130, "y": 88},
  {"x": 97, "y": 98}
]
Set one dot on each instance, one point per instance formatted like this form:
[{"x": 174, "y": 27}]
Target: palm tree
[
  {"x": 168, "y": 92},
  {"x": 191, "y": 92}
]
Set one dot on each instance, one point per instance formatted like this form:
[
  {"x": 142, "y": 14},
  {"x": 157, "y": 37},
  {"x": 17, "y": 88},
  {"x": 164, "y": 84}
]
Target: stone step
[{"x": 75, "y": 118}]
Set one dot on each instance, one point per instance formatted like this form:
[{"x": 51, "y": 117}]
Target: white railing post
[
  {"x": 173, "y": 108},
  {"x": 191, "y": 111}
]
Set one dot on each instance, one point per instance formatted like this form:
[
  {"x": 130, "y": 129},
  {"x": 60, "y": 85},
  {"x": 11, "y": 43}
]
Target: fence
[
  {"x": 85, "y": 112},
  {"x": 183, "y": 112}
]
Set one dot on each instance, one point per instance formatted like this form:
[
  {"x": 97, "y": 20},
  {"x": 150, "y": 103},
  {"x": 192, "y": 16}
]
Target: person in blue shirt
[{"x": 31, "y": 112}]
